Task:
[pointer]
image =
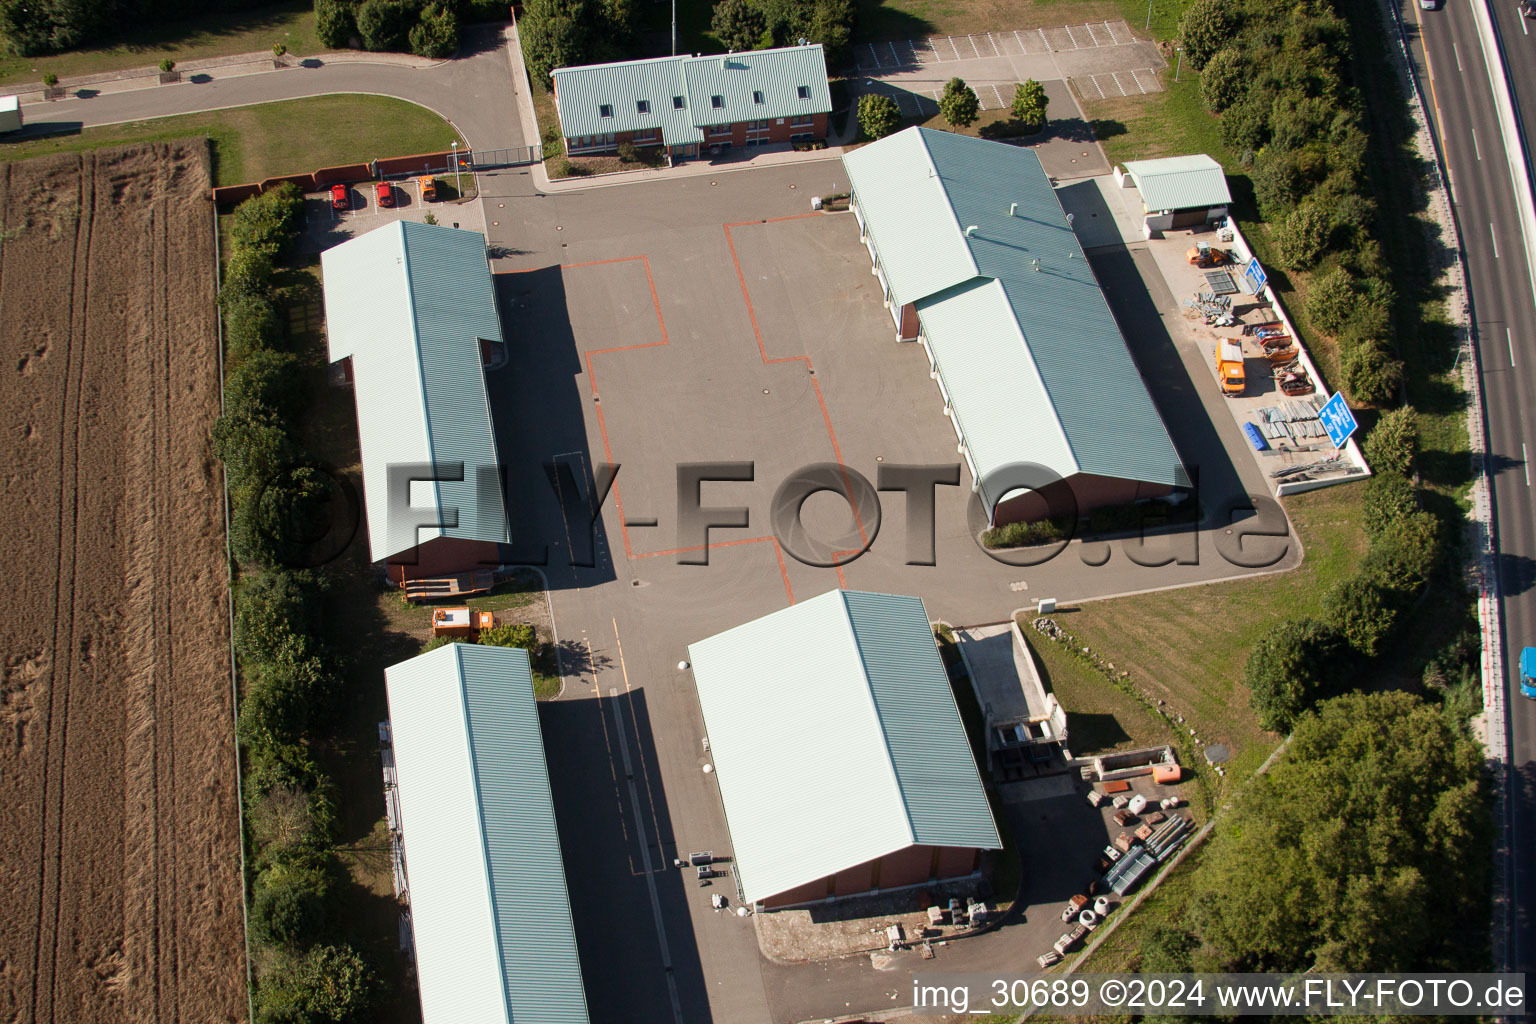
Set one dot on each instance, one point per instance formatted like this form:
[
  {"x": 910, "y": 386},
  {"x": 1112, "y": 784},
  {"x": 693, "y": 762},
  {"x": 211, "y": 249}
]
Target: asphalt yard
[{"x": 715, "y": 320}]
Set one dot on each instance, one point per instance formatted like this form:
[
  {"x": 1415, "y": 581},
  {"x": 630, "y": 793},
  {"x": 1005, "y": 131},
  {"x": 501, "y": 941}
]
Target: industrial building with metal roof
[
  {"x": 742, "y": 99},
  {"x": 1178, "y": 191},
  {"x": 978, "y": 261},
  {"x": 842, "y": 761},
  {"x": 411, "y": 308},
  {"x": 490, "y": 913}
]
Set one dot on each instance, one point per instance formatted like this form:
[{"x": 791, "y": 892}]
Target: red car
[
  {"x": 339, "y": 199},
  {"x": 384, "y": 194}
]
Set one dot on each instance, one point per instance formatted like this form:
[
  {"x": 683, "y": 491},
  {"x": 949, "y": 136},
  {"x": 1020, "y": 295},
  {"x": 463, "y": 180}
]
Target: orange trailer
[{"x": 460, "y": 621}]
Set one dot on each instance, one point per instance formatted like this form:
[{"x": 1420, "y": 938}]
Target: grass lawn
[
  {"x": 256, "y": 142},
  {"x": 214, "y": 35},
  {"x": 1190, "y": 649},
  {"x": 1100, "y": 718}
]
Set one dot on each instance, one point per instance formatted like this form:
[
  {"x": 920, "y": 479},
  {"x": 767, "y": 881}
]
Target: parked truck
[
  {"x": 1229, "y": 367},
  {"x": 1528, "y": 672}
]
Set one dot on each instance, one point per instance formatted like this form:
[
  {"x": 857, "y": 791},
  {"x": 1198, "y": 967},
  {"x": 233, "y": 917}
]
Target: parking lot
[
  {"x": 713, "y": 319},
  {"x": 325, "y": 225}
]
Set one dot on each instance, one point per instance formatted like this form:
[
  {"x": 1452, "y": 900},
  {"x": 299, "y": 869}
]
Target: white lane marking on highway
[
  {"x": 1457, "y": 52},
  {"x": 1523, "y": 26},
  {"x": 1476, "y": 151},
  {"x": 1526, "y": 461},
  {"x": 1509, "y": 339},
  {"x": 1495, "y": 241}
]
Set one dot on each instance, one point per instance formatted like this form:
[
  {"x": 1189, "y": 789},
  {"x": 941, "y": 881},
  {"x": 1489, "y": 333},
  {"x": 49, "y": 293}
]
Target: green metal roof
[
  {"x": 490, "y": 911},
  {"x": 582, "y": 93},
  {"x": 1179, "y": 182},
  {"x": 836, "y": 739},
  {"x": 410, "y": 303},
  {"x": 1036, "y": 368}
]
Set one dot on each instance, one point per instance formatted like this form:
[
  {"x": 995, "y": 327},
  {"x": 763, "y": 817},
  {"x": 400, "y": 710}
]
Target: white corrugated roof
[
  {"x": 836, "y": 739},
  {"x": 491, "y": 916},
  {"x": 1180, "y": 182},
  {"x": 409, "y": 304}
]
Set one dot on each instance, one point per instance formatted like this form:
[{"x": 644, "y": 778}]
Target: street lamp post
[
  {"x": 1149, "y": 15},
  {"x": 458, "y": 184},
  {"x": 1180, "y": 65}
]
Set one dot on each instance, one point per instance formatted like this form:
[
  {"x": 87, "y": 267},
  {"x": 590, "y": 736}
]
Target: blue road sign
[
  {"x": 1337, "y": 420},
  {"x": 1254, "y": 275}
]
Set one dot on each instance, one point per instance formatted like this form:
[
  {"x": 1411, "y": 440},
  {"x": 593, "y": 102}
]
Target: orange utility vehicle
[
  {"x": 1229, "y": 367},
  {"x": 460, "y": 621}
]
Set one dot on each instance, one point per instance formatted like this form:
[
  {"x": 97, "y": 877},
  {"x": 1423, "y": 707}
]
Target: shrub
[
  {"x": 1361, "y": 613},
  {"x": 326, "y": 985},
  {"x": 334, "y": 23},
  {"x": 291, "y": 905},
  {"x": 1245, "y": 126},
  {"x": 959, "y": 104},
  {"x": 1224, "y": 79},
  {"x": 278, "y": 766},
  {"x": 878, "y": 115},
  {"x": 627, "y": 152},
  {"x": 278, "y": 49},
  {"x": 265, "y": 379},
  {"x": 1393, "y": 442},
  {"x": 1331, "y": 300},
  {"x": 167, "y": 65},
  {"x": 251, "y": 321},
  {"x": 290, "y": 693},
  {"x": 1404, "y": 554},
  {"x": 50, "y": 79},
  {"x": 1302, "y": 237},
  {"x": 1207, "y": 26},
  {"x": 1371, "y": 375},
  {"x": 248, "y": 268},
  {"x": 1016, "y": 535},
  {"x": 511, "y": 634},
  {"x": 384, "y": 24},
  {"x": 1389, "y": 499},
  {"x": 555, "y": 35},
  {"x": 252, "y": 445},
  {"x": 1293, "y": 666},
  {"x": 1296, "y": 120},
  {"x": 271, "y": 606},
  {"x": 1279, "y": 181},
  {"x": 738, "y": 24},
  {"x": 268, "y": 223},
  {"x": 436, "y": 35},
  {"x": 1371, "y": 316},
  {"x": 1030, "y": 102}
]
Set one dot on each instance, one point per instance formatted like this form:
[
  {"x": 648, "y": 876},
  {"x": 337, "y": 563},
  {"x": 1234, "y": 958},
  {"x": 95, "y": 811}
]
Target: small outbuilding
[
  {"x": 490, "y": 911},
  {"x": 1178, "y": 191},
  {"x": 842, "y": 761},
  {"x": 411, "y": 312}
]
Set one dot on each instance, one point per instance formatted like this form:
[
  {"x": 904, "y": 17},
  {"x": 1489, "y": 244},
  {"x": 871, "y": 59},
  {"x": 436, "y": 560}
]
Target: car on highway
[
  {"x": 384, "y": 193},
  {"x": 1528, "y": 672},
  {"x": 339, "y": 199},
  {"x": 1429, "y": 5}
]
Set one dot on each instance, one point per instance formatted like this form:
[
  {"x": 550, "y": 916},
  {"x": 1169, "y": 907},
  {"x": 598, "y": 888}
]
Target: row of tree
[
  {"x": 1300, "y": 662},
  {"x": 1363, "y": 849},
  {"x": 564, "y": 33},
  {"x": 34, "y": 27},
  {"x": 1278, "y": 75},
  {"x": 879, "y": 116},
  {"x": 761, "y": 24},
  {"x": 289, "y": 687},
  {"x": 428, "y": 28}
]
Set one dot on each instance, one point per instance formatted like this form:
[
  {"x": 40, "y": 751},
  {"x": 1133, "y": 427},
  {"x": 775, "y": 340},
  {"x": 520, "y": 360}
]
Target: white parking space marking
[
  {"x": 874, "y": 58},
  {"x": 912, "y": 53},
  {"x": 999, "y": 95},
  {"x": 1125, "y": 31},
  {"x": 1075, "y": 44},
  {"x": 933, "y": 48},
  {"x": 953, "y": 48},
  {"x": 1095, "y": 83},
  {"x": 1119, "y": 84},
  {"x": 1044, "y": 40},
  {"x": 1092, "y": 35},
  {"x": 895, "y": 60}
]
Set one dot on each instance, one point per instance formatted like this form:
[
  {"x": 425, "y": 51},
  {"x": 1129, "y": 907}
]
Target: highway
[{"x": 1503, "y": 309}]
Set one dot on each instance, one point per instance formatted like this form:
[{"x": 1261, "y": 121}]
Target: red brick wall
[
  {"x": 1090, "y": 491},
  {"x": 912, "y": 865},
  {"x": 421, "y": 163},
  {"x": 909, "y": 324},
  {"x": 442, "y": 556},
  {"x": 345, "y": 173}
]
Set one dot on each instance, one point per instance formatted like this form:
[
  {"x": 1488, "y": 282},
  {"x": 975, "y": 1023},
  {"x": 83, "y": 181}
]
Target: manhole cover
[{"x": 1217, "y": 754}]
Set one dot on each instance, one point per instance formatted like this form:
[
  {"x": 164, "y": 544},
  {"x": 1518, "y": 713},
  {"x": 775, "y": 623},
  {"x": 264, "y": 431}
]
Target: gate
[{"x": 518, "y": 156}]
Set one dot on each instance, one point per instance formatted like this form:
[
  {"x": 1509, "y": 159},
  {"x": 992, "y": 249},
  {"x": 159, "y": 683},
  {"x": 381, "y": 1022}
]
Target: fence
[{"x": 519, "y": 156}]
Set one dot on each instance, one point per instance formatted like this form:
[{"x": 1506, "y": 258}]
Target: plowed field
[{"x": 119, "y": 844}]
